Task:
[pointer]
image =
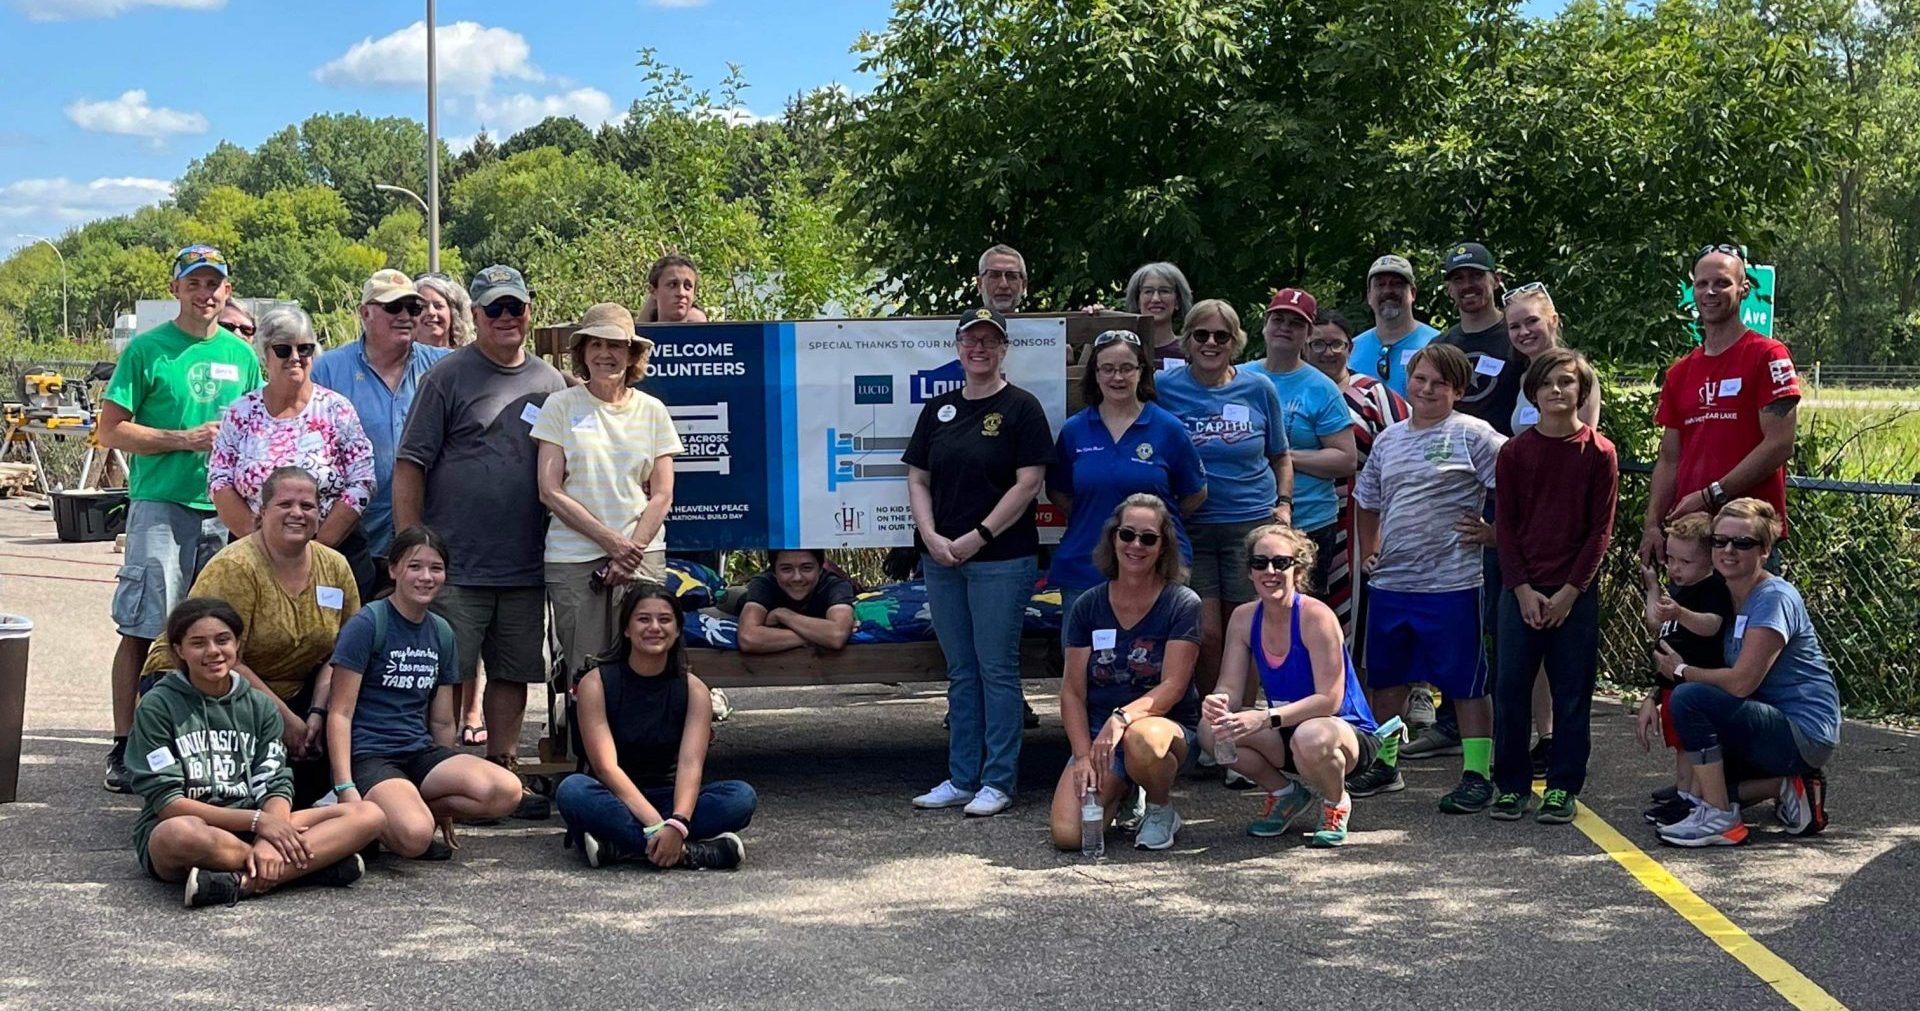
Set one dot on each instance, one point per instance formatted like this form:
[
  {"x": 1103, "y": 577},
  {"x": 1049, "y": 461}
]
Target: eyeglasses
[
  {"x": 1202, "y": 336},
  {"x": 1736, "y": 543},
  {"x": 1722, "y": 247},
  {"x": 1128, "y": 535},
  {"x": 1003, "y": 275},
  {"x": 511, "y": 306},
  {"x": 1525, "y": 289},
  {"x": 976, "y": 341},
  {"x": 1157, "y": 291},
  {"x": 286, "y": 351},
  {"x": 1326, "y": 347},
  {"x": 1272, "y": 563},
  {"x": 1124, "y": 369},
  {"x": 411, "y": 307},
  {"x": 1112, "y": 336}
]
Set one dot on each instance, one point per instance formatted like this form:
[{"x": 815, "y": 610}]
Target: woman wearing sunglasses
[
  {"x": 1236, "y": 423},
  {"x": 1533, "y": 327},
  {"x": 1120, "y": 444},
  {"x": 1127, "y": 696},
  {"x": 1316, "y": 727},
  {"x": 291, "y": 422},
  {"x": 1763, "y": 727}
]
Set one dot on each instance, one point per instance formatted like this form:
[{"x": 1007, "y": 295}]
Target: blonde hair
[
  {"x": 1539, "y": 295},
  {"x": 1168, "y": 565},
  {"x": 1694, "y": 526},
  {"x": 1305, "y": 552},
  {"x": 1758, "y": 514},
  {"x": 1218, "y": 307}
]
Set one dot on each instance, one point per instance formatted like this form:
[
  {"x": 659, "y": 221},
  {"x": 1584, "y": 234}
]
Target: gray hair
[
  {"x": 282, "y": 324},
  {"x": 459, "y": 306},
  {"x": 1182, "y": 291},
  {"x": 1001, "y": 249}
]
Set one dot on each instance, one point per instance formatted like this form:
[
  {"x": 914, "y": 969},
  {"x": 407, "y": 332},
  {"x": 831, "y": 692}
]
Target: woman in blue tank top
[{"x": 1316, "y": 727}]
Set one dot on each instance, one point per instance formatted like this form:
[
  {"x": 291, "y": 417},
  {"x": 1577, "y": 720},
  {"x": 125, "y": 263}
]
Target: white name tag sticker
[
  {"x": 529, "y": 414},
  {"x": 159, "y": 758},
  {"x": 1730, "y": 387},
  {"x": 1740, "y": 627},
  {"x": 1407, "y": 355},
  {"x": 224, "y": 370},
  {"x": 1105, "y": 638},
  {"x": 1236, "y": 413},
  {"x": 946, "y": 412},
  {"x": 1488, "y": 365},
  {"x": 330, "y": 597},
  {"x": 590, "y": 423},
  {"x": 1528, "y": 415}
]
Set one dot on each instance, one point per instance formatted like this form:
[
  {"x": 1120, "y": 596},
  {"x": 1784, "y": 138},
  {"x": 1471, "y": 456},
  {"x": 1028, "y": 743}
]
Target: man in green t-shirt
[{"x": 162, "y": 408}]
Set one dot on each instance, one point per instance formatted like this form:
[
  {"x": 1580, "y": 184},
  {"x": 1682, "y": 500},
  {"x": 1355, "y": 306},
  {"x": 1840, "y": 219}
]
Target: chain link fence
[{"x": 1854, "y": 554}]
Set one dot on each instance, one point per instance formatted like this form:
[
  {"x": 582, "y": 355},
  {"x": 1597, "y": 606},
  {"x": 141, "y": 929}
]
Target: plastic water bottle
[
  {"x": 1225, "y": 752},
  {"x": 1093, "y": 826}
]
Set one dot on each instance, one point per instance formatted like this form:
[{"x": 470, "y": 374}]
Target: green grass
[{"x": 1866, "y": 443}]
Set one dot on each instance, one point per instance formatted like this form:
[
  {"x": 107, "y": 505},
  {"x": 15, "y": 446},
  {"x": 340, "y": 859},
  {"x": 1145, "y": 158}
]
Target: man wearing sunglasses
[
  {"x": 468, "y": 467},
  {"x": 1728, "y": 406},
  {"x": 163, "y": 406},
  {"x": 378, "y": 374},
  {"x": 1385, "y": 351}
]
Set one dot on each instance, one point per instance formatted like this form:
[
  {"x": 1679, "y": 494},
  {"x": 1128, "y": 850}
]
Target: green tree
[
  {"x": 228, "y": 164},
  {"x": 564, "y": 133},
  {"x": 500, "y": 213}
]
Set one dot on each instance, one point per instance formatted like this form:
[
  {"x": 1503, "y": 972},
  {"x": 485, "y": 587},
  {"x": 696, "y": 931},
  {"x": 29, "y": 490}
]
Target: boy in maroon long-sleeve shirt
[{"x": 1556, "y": 486}]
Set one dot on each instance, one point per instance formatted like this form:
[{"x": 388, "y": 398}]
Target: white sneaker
[
  {"x": 1158, "y": 829},
  {"x": 722, "y": 709},
  {"x": 1420, "y": 712},
  {"x": 1206, "y": 761},
  {"x": 987, "y": 803},
  {"x": 944, "y": 795}
]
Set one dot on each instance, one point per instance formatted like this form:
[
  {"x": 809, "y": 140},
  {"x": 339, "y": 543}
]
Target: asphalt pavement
[{"x": 852, "y": 899}]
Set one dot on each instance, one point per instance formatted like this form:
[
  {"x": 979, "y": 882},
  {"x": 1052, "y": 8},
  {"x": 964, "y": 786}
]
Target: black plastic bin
[{"x": 89, "y": 515}]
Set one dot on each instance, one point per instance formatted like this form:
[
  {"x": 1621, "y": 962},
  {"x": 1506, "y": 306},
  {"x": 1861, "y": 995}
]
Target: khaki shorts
[
  {"x": 506, "y": 627},
  {"x": 585, "y": 620}
]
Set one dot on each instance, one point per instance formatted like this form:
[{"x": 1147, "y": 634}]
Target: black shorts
[
  {"x": 1369, "y": 750},
  {"x": 370, "y": 771}
]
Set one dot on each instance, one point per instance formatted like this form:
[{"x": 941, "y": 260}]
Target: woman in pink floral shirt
[{"x": 292, "y": 422}]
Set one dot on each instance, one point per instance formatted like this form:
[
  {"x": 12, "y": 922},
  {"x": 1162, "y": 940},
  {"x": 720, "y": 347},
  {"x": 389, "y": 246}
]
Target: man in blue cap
[{"x": 162, "y": 408}]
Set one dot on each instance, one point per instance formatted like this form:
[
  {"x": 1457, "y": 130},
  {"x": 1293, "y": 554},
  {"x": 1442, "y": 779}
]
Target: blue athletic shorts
[{"x": 1431, "y": 637}]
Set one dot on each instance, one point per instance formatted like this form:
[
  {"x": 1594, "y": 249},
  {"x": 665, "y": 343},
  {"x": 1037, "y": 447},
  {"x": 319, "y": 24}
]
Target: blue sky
[{"x": 108, "y": 100}]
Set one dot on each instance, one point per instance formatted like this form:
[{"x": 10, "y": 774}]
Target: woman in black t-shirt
[
  {"x": 975, "y": 463},
  {"x": 645, "y": 723}
]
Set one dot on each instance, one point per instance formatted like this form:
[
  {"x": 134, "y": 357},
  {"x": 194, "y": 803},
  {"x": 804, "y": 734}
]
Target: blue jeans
[
  {"x": 1571, "y": 653},
  {"x": 1753, "y": 738},
  {"x": 588, "y": 806},
  {"x": 978, "y": 609}
]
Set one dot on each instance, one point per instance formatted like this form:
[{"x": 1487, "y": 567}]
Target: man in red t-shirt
[{"x": 1728, "y": 406}]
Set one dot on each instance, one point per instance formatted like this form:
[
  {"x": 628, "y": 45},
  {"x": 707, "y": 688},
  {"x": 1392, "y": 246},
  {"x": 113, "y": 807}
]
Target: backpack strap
[
  {"x": 378, "y": 609},
  {"x": 443, "y": 634}
]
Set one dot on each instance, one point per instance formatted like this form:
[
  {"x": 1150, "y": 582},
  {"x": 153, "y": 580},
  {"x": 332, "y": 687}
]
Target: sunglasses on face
[
  {"x": 1736, "y": 543},
  {"x": 1113, "y": 336},
  {"x": 286, "y": 351},
  {"x": 510, "y": 306},
  {"x": 1525, "y": 289},
  {"x": 243, "y": 329},
  {"x": 408, "y": 306},
  {"x": 1128, "y": 535},
  {"x": 1271, "y": 563},
  {"x": 1201, "y": 336}
]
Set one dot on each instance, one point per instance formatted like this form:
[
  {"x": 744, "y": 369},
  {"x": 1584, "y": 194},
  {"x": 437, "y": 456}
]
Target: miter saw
[{"x": 51, "y": 399}]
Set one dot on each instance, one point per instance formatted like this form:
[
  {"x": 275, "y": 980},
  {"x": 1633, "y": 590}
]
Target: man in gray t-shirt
[{"x": 467, "y": 467}]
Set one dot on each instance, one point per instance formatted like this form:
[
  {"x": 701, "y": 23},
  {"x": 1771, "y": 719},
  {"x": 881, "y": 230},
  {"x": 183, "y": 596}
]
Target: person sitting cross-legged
[{"x": 797, "y": 602}]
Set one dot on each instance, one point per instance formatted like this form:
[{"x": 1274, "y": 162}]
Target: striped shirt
[{"x": 610, "y": 449}]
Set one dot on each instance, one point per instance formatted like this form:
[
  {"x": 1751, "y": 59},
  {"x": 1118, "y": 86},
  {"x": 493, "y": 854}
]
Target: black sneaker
[
  {"x": 436, "y": 850},
  {"x": 1471, "y": 796},
  {"x": 1664, "y": 794},
  {"x": 1668, "y": 812},
  {"x": 1376, "y": 778},
  {"x": 118, "y": 780},
  {"x": 533, "y": 807},
  {"x": 339, "y": 874},
  {"x": 723, "y": 852},
  {"x": 1541, "y": 754},
  {"x": 596, "y": 852},
  {"x": 211, "y": 888}
]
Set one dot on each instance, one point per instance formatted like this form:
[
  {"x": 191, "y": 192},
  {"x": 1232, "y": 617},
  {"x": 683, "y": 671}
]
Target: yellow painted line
[{"x": 1772, "y": 970}]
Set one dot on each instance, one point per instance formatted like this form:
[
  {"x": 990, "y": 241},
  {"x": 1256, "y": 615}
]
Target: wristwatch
[
  {"x": 1716, "y": 495},
  {"x": 1274, "y": 719},
  {"x": 1125, "y": 718},
  {"x": 986, "y": 535}
]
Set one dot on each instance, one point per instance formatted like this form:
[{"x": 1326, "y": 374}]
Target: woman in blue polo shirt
[
  {"x": 1319, "y": 429},
  {"x": 1120, "y": 444}
]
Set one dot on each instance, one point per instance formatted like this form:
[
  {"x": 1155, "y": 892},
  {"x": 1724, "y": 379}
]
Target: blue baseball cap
[
  {"x": 196, "y": 256},
  {"x": 498, "y": 282}
]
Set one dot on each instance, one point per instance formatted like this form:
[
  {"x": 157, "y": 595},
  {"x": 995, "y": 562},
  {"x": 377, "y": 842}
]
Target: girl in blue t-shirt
[{"x": 390, "y": 730}]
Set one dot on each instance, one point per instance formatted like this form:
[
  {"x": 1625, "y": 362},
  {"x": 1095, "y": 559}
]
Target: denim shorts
[
  {"x": 1187, "y": 764},
  {"x": 167, "y": 546}
]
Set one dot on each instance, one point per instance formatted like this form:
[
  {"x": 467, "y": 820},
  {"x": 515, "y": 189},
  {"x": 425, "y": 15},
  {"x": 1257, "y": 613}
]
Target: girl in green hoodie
[{"x": 207, "y": 759}]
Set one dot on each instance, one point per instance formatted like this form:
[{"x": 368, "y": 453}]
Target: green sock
[
  {"x": 1389, "y": 754},
  {"x": 1477, "y": 755}
]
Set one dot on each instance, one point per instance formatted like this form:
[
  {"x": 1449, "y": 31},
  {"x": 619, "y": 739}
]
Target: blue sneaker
[
  {"x": 1282, "y": 808},
  {"x": 1333, "y": 824},
  {"x": 1158, "y": 829}
]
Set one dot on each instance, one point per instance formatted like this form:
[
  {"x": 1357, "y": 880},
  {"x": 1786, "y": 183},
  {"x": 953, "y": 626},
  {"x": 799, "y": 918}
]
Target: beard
[{"x": 1389, "y": 312}]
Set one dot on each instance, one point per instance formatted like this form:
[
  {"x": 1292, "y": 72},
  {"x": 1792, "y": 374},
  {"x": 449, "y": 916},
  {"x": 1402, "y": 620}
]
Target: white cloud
[
  {"x": 131, "y": 116},
  {"x": 470, "y": 55},
  {"x": 75, "y": 10},
  {"x": 62, "y": 202},
  {"x": 505, "y": 115}
]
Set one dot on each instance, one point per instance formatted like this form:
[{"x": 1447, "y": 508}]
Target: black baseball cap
[
  {"x": 1467, "y": 254},
  {"x": 984, "y": 314}
]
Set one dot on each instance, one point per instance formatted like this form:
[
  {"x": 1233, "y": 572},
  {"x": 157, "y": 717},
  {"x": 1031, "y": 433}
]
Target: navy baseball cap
[{"x": 1468, "y": 254}]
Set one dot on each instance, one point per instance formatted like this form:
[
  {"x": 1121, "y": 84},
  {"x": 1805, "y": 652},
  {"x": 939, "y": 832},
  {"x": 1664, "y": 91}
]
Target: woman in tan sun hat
[{"x": 606, "y": 472}]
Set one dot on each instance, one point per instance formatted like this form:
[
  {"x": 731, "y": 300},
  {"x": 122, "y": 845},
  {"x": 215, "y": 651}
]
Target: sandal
[{"x": 473, "y": 735}]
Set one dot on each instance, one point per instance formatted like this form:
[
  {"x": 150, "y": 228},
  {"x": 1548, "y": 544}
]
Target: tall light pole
[
  {"x": 433, "y": 148},
  {"x": 390, "y": 188},
  {"x": 66, "y": 329}
]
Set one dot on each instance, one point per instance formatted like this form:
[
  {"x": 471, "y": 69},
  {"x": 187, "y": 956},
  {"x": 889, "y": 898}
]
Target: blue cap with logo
[
  {"x": 197, "y": 256},
  {"x": 497, "y": 282}
]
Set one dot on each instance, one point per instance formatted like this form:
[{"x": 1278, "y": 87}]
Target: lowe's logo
[
  {"x": 873, "y": 389},
  {"x": 933, "y": 382}
]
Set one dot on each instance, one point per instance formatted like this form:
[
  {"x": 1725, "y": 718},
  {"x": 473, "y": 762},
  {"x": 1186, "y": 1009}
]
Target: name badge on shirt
[
  {"x": 1105, "y": 638},
  {"x": 530, "y": 414},
  {"x": 224, "y": 370},
  {"x": 1730, "y": 387},
  {"x": 330, "y": 597},
  {"x": 159, "y": 758},
  {"x": 1529, "y": 415},
  {"x": 1488, "y": 365},
  {"x": 1740, "y": 627},
  {"x": 1235, "y": 413},
  {"x": 1407, "y": 355},
  {"x": 588, "y": 423},
  {"x": 946, "y": 412}
]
